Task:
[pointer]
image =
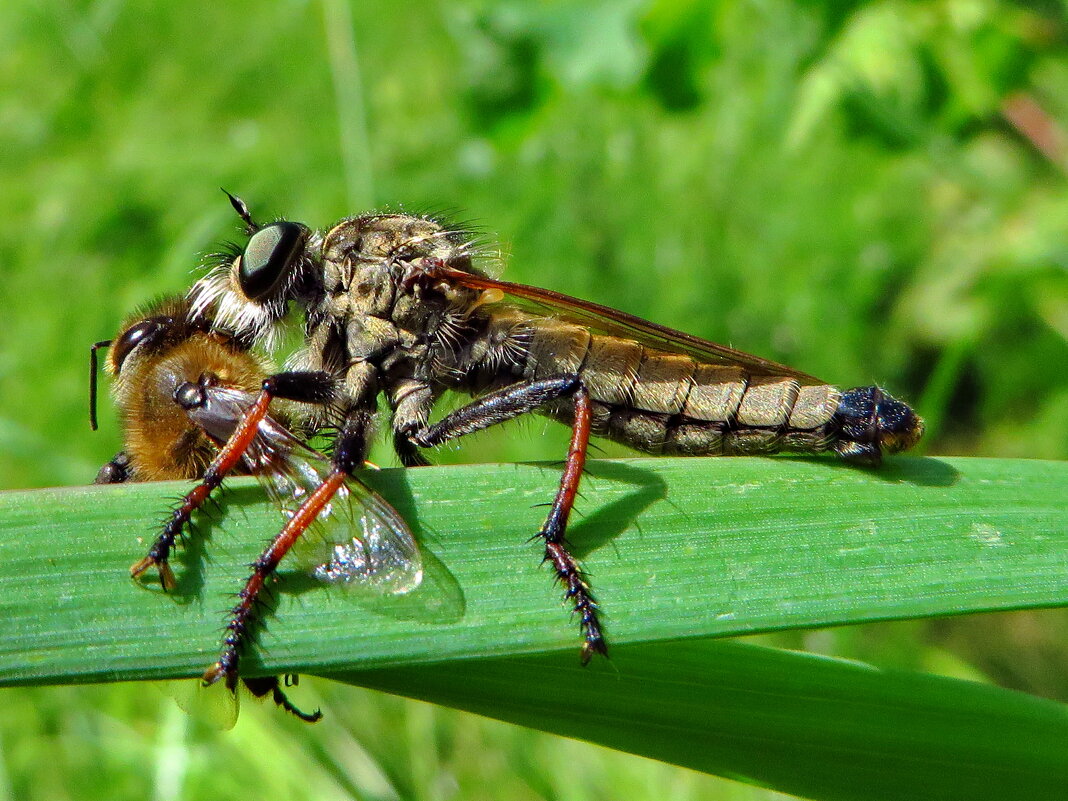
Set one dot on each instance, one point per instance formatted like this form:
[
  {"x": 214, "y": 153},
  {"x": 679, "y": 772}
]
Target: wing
[
  {"x": 379, "y": 553},
  {"x": 215, "y": 705},
  {"x": 606, "y": 320},
  {"x": 358, "y": 540}
]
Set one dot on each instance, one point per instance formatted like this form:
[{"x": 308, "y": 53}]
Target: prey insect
[
  {"x": 183, "y": 387},
  {"x": 397, "y": 305}
]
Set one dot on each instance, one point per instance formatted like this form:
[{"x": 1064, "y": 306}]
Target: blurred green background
[{"x": 870, "y": 192}]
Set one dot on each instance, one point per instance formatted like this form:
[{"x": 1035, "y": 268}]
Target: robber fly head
[{"x": 248, "y": 288}]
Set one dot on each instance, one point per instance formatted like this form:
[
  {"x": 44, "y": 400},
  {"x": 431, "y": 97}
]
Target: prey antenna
[
  {"x": 104, "y": 343},
  {"x": 242, "y": 211}
]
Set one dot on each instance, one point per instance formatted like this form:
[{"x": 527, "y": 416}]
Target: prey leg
[
  {"x": 308, "y": 387},
  {"x": 349, "y": 454},
  {"x": 116, "y": 471},
  {"x": 270, "y": 684},
  {"x": 510, "y": 402}
]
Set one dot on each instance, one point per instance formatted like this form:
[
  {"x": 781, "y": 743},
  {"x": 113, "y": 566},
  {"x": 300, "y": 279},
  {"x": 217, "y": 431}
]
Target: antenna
[
  {"x": 242, "y": 211},
  {"x": 104, "y": 343}
]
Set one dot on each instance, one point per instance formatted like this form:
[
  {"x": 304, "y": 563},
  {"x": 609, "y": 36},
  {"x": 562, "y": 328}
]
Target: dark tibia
[
  {"x": 505, "y": 404},
  {"x": 305, "y": 386},
  {"x": 350, "y": 449}
]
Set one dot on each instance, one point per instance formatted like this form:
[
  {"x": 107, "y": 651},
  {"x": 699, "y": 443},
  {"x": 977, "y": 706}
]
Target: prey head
[{"x": 871, "y": 422}]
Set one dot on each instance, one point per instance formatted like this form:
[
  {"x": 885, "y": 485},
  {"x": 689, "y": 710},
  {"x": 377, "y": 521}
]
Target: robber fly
[
  {"x": 396, "y": 305},
  {"x": 183, "y": 387}
]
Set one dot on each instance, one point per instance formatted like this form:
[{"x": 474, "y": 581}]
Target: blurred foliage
[{"x": 868, "y": 191}]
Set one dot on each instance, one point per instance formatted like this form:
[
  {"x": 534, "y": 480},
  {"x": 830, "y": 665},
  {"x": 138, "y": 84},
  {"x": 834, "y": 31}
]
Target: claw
[
  {"x": 596, "y": 645},
  {"x": 166, "y": 575},
  {"x": 216, "y": 672}
]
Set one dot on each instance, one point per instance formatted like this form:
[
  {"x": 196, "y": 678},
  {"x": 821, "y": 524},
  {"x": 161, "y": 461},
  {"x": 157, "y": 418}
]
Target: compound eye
[
  {"x": 190, "y": 396},
  {"x": 269, "y": 255},
  {"x": 143, "y": 332}
]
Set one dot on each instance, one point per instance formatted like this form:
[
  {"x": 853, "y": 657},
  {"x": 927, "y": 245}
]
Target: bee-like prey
[{"x": 184, "y": 387}]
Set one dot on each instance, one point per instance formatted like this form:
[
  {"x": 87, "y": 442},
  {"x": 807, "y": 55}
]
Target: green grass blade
[
  {"x": 803, "y": 724},
  {"x": 676, "y": 549}
]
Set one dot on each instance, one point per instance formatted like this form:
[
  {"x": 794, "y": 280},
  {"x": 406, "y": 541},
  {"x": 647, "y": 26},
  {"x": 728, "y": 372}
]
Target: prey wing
[{"x": 358, "y": 540}]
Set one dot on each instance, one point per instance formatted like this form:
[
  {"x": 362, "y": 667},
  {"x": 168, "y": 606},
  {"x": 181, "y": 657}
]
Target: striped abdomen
[{"x": 670, "y": 403}]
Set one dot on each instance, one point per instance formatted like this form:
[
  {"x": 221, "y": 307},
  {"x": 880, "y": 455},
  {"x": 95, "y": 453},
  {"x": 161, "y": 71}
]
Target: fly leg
[
  {"x": 411, "y": 402},
  {"x": 552, "y": 531},
  {"x": 226, "y": 460},
  {"x": 510, "y": 402},
  {"x": 349, "y": 453},
  {"x": 307, "y": 387}
]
